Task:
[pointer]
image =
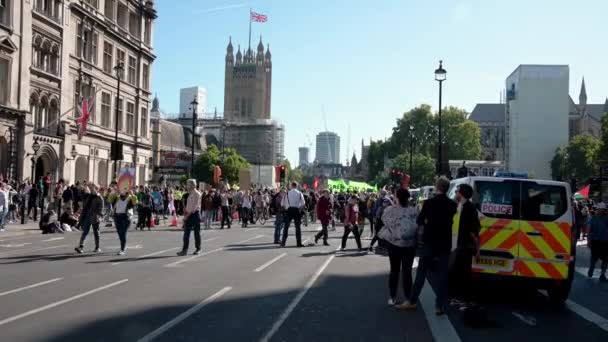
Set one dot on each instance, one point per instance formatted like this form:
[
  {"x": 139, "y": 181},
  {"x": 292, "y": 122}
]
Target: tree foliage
[
  {"x": 579, "y": 159},
  {"x": 460, "y": 134},
  {"x": 233, "y": 163}
]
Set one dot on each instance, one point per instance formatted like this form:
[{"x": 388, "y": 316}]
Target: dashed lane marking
[
  {"x": 61, "y": 302},
  {"x": 279, "y": 322},
  {"x": 29, "y": 287},
  {"x": 184, "y": 315},
  {"x": 272, "y": 261}
]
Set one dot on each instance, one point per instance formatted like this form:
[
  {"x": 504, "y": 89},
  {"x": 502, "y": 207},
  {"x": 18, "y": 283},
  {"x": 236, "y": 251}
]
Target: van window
[
  {"x": 543, "y": 202},
  {"x": 453, "y": 188},
  {"x": 497, "y": 199}
]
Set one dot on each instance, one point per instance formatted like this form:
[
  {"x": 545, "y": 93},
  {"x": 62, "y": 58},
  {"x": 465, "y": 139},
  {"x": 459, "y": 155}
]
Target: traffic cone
[
  {"x": 152, "y": 222},
  {"x": 174, "y": 221}
]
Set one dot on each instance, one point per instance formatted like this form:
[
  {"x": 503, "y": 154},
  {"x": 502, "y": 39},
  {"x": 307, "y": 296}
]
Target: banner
[
  {"x": 245, "y": 179},
  {"x": 126, "y": 179},
  {"x": 342, "y": 185}
]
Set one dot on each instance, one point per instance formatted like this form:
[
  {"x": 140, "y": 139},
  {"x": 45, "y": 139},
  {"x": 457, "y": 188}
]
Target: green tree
[
  {"x": 603, "y": 153},
  {"x": 579, "y": 158},
  {"x": 460, "y": 134},
  {"x": 233, "y": 163},
  {"x": 423, "y": 172}
]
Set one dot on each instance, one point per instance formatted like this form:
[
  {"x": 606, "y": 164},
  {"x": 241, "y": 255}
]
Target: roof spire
[{"x": 582, "y": 98}]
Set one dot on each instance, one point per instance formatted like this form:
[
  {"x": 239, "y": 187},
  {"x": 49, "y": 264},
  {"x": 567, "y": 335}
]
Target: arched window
[
  {"x": 53, "y": 114},
  {"x": 40, "y": 111}
]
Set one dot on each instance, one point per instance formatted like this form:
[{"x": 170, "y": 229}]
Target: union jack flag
[
  {"x": 85, "y": 110},
  {"x": 258, "y": 18}
]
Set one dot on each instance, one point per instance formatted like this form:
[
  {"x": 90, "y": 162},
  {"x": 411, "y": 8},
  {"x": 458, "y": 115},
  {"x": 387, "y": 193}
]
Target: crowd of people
[{"x": 404, "y": 229}]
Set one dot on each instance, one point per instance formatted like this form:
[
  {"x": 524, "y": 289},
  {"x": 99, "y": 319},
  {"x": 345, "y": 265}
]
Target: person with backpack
[
  {"x": 207, "y": 206},
  {"x": 400, "y": 232},
  {"x": 280, "y": 215},
  {"x": 383, "y": 202}
]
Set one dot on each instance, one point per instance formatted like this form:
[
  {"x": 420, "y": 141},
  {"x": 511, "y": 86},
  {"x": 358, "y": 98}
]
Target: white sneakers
[{"x": 121, "y": 253}]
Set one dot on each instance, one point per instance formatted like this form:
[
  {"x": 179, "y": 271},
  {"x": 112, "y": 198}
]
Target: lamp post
[
  {"x": 259, "y": 168},
  {"x": 36, "y": 148},
  {"x": 411, "y": 150},
  {"x": 194, "y": 104},
  {"x": 224, "y": 125},
  {"x": 119, "y": 68},
  {"x": 440, "y": 76}
]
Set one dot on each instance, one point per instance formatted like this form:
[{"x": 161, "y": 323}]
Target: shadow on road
[
  {"x": 49, "y": 257},
  {"x": 328, "y": 312}
]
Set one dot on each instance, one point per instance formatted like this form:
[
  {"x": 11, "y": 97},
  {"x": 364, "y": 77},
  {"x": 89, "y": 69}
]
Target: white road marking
[
  {"x": 147, "y": 255},
  {"x": 587, "y": 314},
  {"x": 275, "y": 259},
  {"x": 10, "y": 245},
  {"x": 61, "y": 302},
  {"x": 177, "y": 263},
  {"x": 32, "y": 250},
  {"x": 441, "y": 327},
  {"x": 174, "y": 264},
  {"x": 529, "y": 320},
  {"x": 275, "y": 327},
  {"x": 29, "y": 287},
  {"x": 165, "y": 327},
  {"x": 53, "y": 239}
]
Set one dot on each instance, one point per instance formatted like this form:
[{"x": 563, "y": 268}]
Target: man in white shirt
[
  {"x": 294, "y": 204},
  {"x": 192, "y": 219}
]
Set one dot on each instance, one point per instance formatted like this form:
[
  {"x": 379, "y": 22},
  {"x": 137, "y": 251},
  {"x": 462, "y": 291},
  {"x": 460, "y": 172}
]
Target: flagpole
[{"x": 249, "y": 30}]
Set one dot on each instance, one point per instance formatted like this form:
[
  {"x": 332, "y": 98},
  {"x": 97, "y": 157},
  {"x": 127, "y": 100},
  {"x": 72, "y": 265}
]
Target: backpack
[{"x": 146, "y": 201}]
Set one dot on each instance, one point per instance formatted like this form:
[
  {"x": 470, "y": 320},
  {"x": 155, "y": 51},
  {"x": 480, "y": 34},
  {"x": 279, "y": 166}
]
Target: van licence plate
[{"x": 494, "y": 263}]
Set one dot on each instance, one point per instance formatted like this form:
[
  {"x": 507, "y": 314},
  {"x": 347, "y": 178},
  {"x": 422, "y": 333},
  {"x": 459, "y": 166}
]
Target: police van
[{"x": 526, "y": 230}]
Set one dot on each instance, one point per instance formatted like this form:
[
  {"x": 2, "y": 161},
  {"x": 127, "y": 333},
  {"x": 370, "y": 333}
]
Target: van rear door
[
  {"x": 546, "y": 231},
  {"x": 498, "y": 203}
]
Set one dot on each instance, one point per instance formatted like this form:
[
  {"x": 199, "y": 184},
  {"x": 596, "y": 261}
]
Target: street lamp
[
  {"x": 119, "y": 68},
  {"x": 259, "y": 168},
  {"x": 440, "y": 76},
  {"x": 411, "y": 149},
  {"x": 194, "y": 104},
  {"x": 224, "y": 126}
]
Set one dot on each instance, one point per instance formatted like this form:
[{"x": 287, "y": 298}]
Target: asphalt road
[{"x": 243, "y": 288}]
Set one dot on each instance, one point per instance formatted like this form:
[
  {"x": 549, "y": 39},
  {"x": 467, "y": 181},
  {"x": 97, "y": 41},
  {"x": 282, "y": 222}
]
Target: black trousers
[
  {"x": 401, "y": 260},
  {"x": 226, "y": 216},
  {"x": 293, "y": 214},
  {"x": 461, "y": 274},
  {"x": 323, "y": 233},
  {"x": 192, "y": 224},
  {"x": 355, "y": 230},
  {"x": 29, "y": 209}
]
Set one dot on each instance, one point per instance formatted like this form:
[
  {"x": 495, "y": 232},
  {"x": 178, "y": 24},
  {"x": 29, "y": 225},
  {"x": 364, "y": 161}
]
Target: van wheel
[{"x": 558, "y": 294}]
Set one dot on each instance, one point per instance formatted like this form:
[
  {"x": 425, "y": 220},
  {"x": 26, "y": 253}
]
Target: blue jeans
[
  {"x": 193, "y": 223},
  {"x": 278, "y": 226},
  {"x": 122, "y": 223},
  {"x": 438, "y": 267},
  {"x": 86, "y": 228},
  {"x": 3, "y": 216}
]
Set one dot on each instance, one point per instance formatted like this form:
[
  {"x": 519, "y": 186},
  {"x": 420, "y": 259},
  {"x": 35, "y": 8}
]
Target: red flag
[
  {"x": 405, "y": 182},
  {"x": 315, "y": 183},
  {"x": 584, "y": 191},
  {"x": 258, "y": 18}
]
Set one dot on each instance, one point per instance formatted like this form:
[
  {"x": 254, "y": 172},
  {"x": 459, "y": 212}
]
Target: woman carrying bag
[
  {"x": 400, "y": 232},
  {"x": 123, "y": 211}
]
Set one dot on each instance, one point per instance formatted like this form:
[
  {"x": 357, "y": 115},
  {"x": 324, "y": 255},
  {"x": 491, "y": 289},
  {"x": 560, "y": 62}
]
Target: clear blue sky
[{"x": 366, "y": 62}]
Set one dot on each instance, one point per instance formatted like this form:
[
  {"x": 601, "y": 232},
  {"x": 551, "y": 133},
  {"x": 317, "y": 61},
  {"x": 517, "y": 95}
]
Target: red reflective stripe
[
  {"x": 523, "y": 269},
  {"x": 510, "y": 242},
  {"x": 530, "y": 247},
  {"x": 566, "y": 229},
  {"x": 551, "y": 270},
  {"x": 548, "y": 237},
  {"x": 492, "y": 230}
]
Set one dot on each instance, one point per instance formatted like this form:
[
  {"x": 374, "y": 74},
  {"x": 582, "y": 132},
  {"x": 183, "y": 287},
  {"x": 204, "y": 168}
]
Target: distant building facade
[
  {"x": 54, "y": 53},
  {"x": 536, "y": 117},
  {"x": 303, "y": 154},
  {"x": 187, "y": 95},
  {"x": 583, "y": 118},
  {"x": 327, "y": 148}
]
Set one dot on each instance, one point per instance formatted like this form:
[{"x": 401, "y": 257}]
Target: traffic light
[{"x": 282, "y": 174}]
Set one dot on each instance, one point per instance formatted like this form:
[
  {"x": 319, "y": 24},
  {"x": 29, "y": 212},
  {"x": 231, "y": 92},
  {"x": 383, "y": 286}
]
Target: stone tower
[{"x": 248, "y": 84}]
